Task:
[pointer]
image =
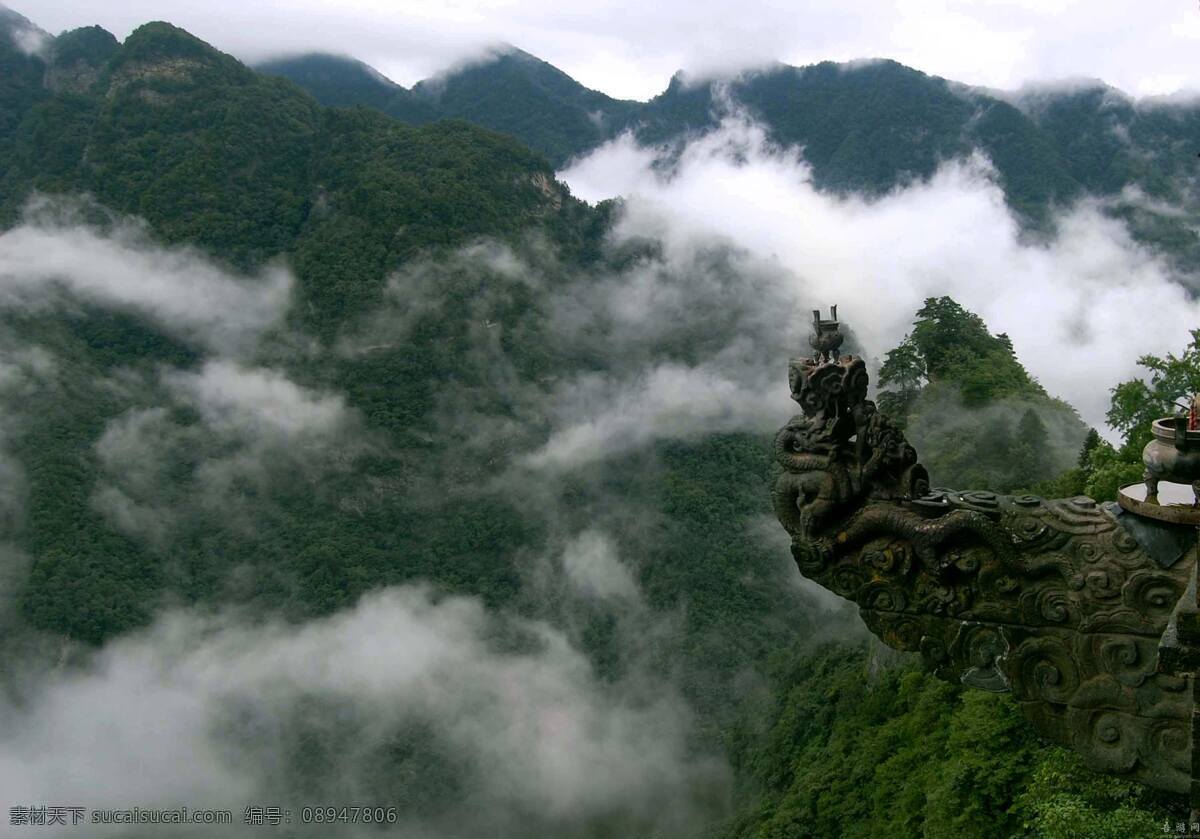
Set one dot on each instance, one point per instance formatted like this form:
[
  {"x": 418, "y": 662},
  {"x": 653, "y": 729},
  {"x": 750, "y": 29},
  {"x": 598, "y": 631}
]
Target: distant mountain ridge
[
  {"x": 512, "y": 92},
  {"x": 865, "y": 127},
  {"x": 339, "y": 81}
]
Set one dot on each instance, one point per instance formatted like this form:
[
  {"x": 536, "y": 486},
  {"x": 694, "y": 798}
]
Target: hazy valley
[{"x": 412, "y": 446}]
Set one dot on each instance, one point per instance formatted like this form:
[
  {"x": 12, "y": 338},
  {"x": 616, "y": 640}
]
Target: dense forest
[{"x": 265, "y": 356}]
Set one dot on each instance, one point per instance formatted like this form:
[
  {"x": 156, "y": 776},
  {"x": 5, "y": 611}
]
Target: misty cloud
[
  {"x": 669, "y": 337},
  {"x": 253, "y": 427},
  {"x": 767, "y": 531},
  {"x": 54, "y": 253},
  {"x": 593, "y": 568},
  {"x": 27, "y": 38},
  {"x": 1068, "y": 304},
  {"x": 599, "y": 416},
  {"x": 692, "y": 338},
  {"x": 257, "y": 402},
  {"x": 630, "y": 49},
  {"x": 476, "y": 279},
  {"x": 716, "y": 263},
  {"x": 543, "y": 744}
]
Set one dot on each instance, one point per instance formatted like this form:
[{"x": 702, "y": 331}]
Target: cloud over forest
[
  {"x": 1072, "y": 305},
  {"x": 682, "y": 330},
  {"x": 58, "y": 250},
  {"x": 536, "y": 741}
]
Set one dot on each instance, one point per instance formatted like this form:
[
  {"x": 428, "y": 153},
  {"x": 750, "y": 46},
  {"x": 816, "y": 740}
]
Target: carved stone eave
[{"x": 1057, "y": 601}]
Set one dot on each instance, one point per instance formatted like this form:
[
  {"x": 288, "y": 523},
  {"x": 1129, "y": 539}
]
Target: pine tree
[
  {"x": 1031, "y": 450},
  {"x": 1085, "y": 454},
  {"x": 900, "y": 377}
]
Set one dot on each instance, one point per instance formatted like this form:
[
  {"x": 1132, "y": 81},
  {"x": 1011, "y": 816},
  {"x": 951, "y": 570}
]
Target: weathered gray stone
[{"x": 1053, "y": 600}]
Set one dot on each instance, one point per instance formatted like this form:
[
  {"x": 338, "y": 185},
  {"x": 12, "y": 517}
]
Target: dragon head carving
[
  {"x": 1054, "y": 600},
  {"x": 840, "y": 450}
]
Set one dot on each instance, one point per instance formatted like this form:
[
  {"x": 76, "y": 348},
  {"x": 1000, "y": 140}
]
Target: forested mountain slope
[
  {"x": 275, "y": 374},
  {"x": 338, "y": 81},
  {"x": 864, "y": 127},
  {"x": 972, "y": 408},
  {"x": 511, "y": 91},
  {"x": 215, "y": 155},
  {"x": 249, "y": 169}
]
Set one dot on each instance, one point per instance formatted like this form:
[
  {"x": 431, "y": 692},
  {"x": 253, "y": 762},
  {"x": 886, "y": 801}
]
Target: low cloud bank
[
  {"x": 1076, "y": 307},
  {"x": 253, "y": 428},
  {"x": 541, "y": 745},
  {"x": 58, "y": 251}
]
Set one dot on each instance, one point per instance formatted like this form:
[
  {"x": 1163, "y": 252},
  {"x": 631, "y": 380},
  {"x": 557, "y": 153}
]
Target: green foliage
[
  {"x": 250, "y": 168},
  {"x": 513, "y": 93},
  {"x": 907, "y": 755},
  {"x": 157, "y": 41},
  {"x": 89, "y": 45},
  {"x": 1110, "y": 469},
  {"x": 956, "y": 346},
  {"x": 868, "y": 128},
  {"x": 900, "y": 379},
  {"x": 1030, "y": 447},
  {"x": 20, "y": 77},
  {"x": 86, "y": 580},
  {"x": 979, "y": 419},
  {"x": 343, "y": 82},
  {"x": 1089, "y": 445},
  {"x": 1065, "y": 800},
  {"x": 1137, "y": 403},
  {"x": 523, "y": 96}
]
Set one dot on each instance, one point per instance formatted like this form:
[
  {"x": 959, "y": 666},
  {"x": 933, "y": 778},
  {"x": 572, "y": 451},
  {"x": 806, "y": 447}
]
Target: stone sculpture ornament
[{"x": 1057, "y": 601}]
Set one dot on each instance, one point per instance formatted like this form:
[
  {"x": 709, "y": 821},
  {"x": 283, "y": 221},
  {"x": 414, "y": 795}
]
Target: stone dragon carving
[{"x": 1062, "y": 602}]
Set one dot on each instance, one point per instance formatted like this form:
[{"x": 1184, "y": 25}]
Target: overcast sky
[{"x": 630, "y": 48}]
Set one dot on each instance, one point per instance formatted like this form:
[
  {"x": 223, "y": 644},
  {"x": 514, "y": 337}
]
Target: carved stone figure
[{"x": 1062, "y": 602}]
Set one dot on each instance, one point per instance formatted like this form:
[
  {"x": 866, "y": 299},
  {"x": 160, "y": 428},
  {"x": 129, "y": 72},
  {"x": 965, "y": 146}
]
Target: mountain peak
[
  {"x": 78, "y": 57},
  {"x": 323, "y": 70},
  {"x": 160, "y": 40},
  {"x": 22, "y": 33},
  {"x": 340, "y": 81},
  {"x": 161, "y": 52}
]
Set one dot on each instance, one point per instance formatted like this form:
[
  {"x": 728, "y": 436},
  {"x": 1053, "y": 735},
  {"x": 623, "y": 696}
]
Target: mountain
[
  {"x": 870, "y": 126},
  {"x": 979, "y": 417},
  {"x": 22, "y": 34},
  {"x": 521, "y": 95},
  {"x": 248, "y": 168},
  {"x": 510, "y": 91},
  {"x": 77, "y": 58},
  {"x": 1139, "y": 155},
  {"x": 865, "y": 127},
  {"x": 21, "y": 68},
  {"x": 338, "y": 81},
  {"x": 290, "y": 175},
  {"x": 361, "y": 459}
]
